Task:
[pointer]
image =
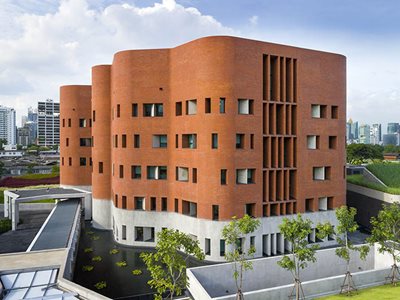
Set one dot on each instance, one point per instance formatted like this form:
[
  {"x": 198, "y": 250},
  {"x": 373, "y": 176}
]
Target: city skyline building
[
  {"x": 48, "y": 123},
  {"x": 376, "y": 134},
  {"x": 392, "y": 128},
  {"x": 365, "y": 134},
  {"x": 8, "y": 127},
  {"x": 246, "y": 133}
]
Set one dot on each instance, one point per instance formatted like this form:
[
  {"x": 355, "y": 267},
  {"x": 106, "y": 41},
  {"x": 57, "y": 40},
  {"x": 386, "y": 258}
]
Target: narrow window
[
  {"x": 334, "y": 112},
  {"x": 222, "y": 105},
  {"x": 251, "y": 141},
  {"x": 207, "y": 249},
  {"x": 176, "y": 205},
  {"x": 116, "y": 141},
  {"x": 332, "y": 142},
  {"x": 123, "y": 231},
  {"x": 116, "y": 200},
  {"x": 164, "y": 206},
  {"x": 67, "y": 142},
  {"x": 134, "y": 110},
  {"x": 62, "y": 161},
  {"x": 82, "y": 161},
  {"x": 123, "y": 141},
  {"x": 176, "y": 140},
  {"x": 221, "y": 247},
  {"x": 94, "y": 116},
  {"x": 136, "y": 141},
  {"x": 70, "y": 161},
  {"x": 215, "y": 212},
  {"x": 194, "y": 175},
  {"x": 223, "y": 176},
  {"x": 153, "y": 203},
  {"x": 63, "y": 123},
  {"x": 207, "y": 108},
  {"x": 82, "y": 123},
  {"x": 90, "y": 122},
  {"x": 118, "y": 110},
  {"x": 178, "y": 108},
  {"x": 100, "y": 167},
  {"x": 69, "y": 122},
  {"x": 214, "y": 140},
  {"x": 123, "y": 202},
  {"x": 239, "y": 141},
  {"x": 121, "y": 171}
]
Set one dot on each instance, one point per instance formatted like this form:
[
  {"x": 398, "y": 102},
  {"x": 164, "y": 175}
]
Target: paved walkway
[{"x": 19, "y": 240}]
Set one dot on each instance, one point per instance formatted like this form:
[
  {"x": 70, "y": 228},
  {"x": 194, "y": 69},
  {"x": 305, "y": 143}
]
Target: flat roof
[
  {"x": 57, "y": 229},
  {"x": 40, "y": 192}
]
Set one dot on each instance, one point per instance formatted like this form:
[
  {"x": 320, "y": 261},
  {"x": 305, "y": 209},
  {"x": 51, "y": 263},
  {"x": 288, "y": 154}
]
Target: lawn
[
  {"x": 389, "y": 173},
  {"x": 2, "y": 189},
  {"x": 360, "y": 180},
  {"x": 383, "y": 292},
  {"x": 37, "y": 176}
]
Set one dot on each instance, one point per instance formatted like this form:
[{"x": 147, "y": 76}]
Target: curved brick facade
[{"x": 186, "y": 114}]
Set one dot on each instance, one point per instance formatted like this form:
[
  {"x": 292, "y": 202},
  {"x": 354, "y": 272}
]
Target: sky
[{"x": 48, "y": 43}]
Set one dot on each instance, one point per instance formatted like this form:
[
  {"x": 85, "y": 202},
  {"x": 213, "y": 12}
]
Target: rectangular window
[
  {"x": 121, "y": 171},
  {"x": 239, "y": 141},
  {"x": 164, "y": 204},
  {"x": 124, "y": 232},
  {"x": 223, "y": 176},
  {"x": 153, "y": 110},
  {"x": 245, "y": 176},
  {"x": 82, "y": 123},
  {"x": 123, "y": 141},
  {"x": 309, "y": 205},
  {"x": 160, "y": 141},
  {"x": 318, "y": 111},
  {"x": 252, "y": 241},
  {"x": 69, "y": 122},
  {"x": 136, "y": 172},
  {"x": 221, "y": 105},
  {"x": 215, "y": 212},
  {"x": 70, "y": 161},
  {"x": 322, "y": 203},
  {"x": 144, "y": 234},
  {"x": 245, "y": 106},
  {"x": 134, "y": 110},
  {"x": 63, "y": 123},
  {"x": 100, "y": 167},
  {"x": 67, "y": 142},
  {"x": 249, "y": 209},
  {"x": 153, "y": 203},
  {"x": 332, "y": 142},
  {"x": 90, "y": 122},
  {"x": 312, "y": 142},
  {"x": 189, "y": 141},
  {"x": 189, "y": 208},
  {"x": 139, "y": 203},
  {"x": 136, "y": 141},
  {"x": 176, "y": 205},
  {"x": 207, "y": 247},
  {"x": 85, "y": 142},
  {"x": 251, "y": 141},
  {"x": 94, "y": 116},
  {"x": 207, "y": 104},
  {"x": 118, "y": 110},
  {"x": 334, "y": 112},
  {"x": 178, "y": 109},
  {"x": 182, "y": 174},
  {"x": 221, "y": 247},
  {"x": 123, "y": 199},
  {"x": 194, "y": 175},
  {"x": 157, "y": 172},
  {"x": 214, "y": 140},
  {"x": 82, "y": 161},
  {"x": 191, "y": 107},
  {"x": 116, "y": 141},
  {"x": 321, "y": 173}
]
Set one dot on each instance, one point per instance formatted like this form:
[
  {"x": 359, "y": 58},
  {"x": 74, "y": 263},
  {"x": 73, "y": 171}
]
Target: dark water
[{"x": 121, "y": 283}]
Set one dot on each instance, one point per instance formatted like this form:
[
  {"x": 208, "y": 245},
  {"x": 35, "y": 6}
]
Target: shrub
[
  {"x": 88, "y": 250},
  {"x": 87, "y": 268},
  {"x": 5, "y": 225},
  {"x": 97, "y": 258},
  {"x": 121, "y": 263},
  {"x": 114, "y": 251},
  {"x": 137, "y": 272},
  {"x": 95, "y": 237},
  {"x": 100, "y": 285}
]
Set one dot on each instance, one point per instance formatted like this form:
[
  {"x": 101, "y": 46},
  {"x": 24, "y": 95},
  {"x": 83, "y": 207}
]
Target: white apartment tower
[
  {"x": 48, "y": 123},
  {"x": 8, "y": 129}
]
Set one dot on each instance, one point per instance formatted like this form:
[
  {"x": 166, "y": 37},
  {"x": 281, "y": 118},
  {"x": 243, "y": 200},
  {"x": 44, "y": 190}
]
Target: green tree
[
  {"x": 391, "y": 149},
  {"x": 2, "y": 143},
  {"x": 1, "y": 168},
  {"x": 55, "y": 169},
  {"x": 357, "y": 153},
  {"x": 386, "y": 232},
  {"x": 346, "y": 224},
  {"x": 234, "y": 234},
  {"x": 167, "y": 266},
  {"x": 30, "y": 168},
  {"x": 296, "y": 231}
]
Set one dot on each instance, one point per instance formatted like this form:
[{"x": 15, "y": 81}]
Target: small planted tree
[
  {"x": 346, "y": 224},
  {"x": 234, "y": 234},
  {"x": 386, "y": 232},
  {"x": 296, "y": 232},
  {"x": 167, "y": 266}
]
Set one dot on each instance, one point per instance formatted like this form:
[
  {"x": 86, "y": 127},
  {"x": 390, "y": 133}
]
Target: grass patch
[
  {"x": 44, "y": 201},
  {"x": 36, "y": 176},
  {"x": 2, "y": 189},
  {"x": 389, "y": 173},
  {"x": 5, "y": 225},
  {"x": 383, "y": 292},
  {"x": 360, "y": 180}
]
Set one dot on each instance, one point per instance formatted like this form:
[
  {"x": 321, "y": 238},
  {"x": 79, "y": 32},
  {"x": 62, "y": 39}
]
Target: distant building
[
  {"x": 391, "y": 139},
  {"x": 8, "y": 129},
  {"x": 351, "y": 131},
  {"x": 24, "y": 119},
  {"x": 33, "y": 124},
  {"x": 392, "y": 128},
  {"x": 376, "y": 134},
  {"x": 48, "y": 123},
  {"x": 23, "y": 136},
  {"x": 365, "y": 134}
]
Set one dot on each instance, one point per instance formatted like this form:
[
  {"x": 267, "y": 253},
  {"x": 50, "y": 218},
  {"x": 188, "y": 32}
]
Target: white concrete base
[{"x": 267, "y": 237}]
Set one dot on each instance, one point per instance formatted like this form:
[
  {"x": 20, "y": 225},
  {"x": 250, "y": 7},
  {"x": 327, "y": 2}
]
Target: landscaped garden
[{"x": 383, "y": 292}]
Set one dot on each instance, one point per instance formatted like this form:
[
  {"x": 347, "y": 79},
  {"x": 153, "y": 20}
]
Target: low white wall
[
  {"x": 389, "y": 198},
  {"x": 216, "y": 280},
  {"x": 101, "y": 213}
]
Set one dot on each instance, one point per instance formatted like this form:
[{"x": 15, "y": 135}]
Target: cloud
[
  {"x": 254, "y": 20},
  {"x": 46, "y": 49}
]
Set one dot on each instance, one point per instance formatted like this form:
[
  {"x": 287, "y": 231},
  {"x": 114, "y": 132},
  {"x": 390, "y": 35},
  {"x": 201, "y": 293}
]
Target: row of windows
[
  {"x": 83, "y": 161},
  {"x": 188, "y": 141},
  {"x": 319, "y": 111},
  {"x": 83, "y": 142},
  {"x": 82, "y": 123},
  {"x": 245, "y": 107}
]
